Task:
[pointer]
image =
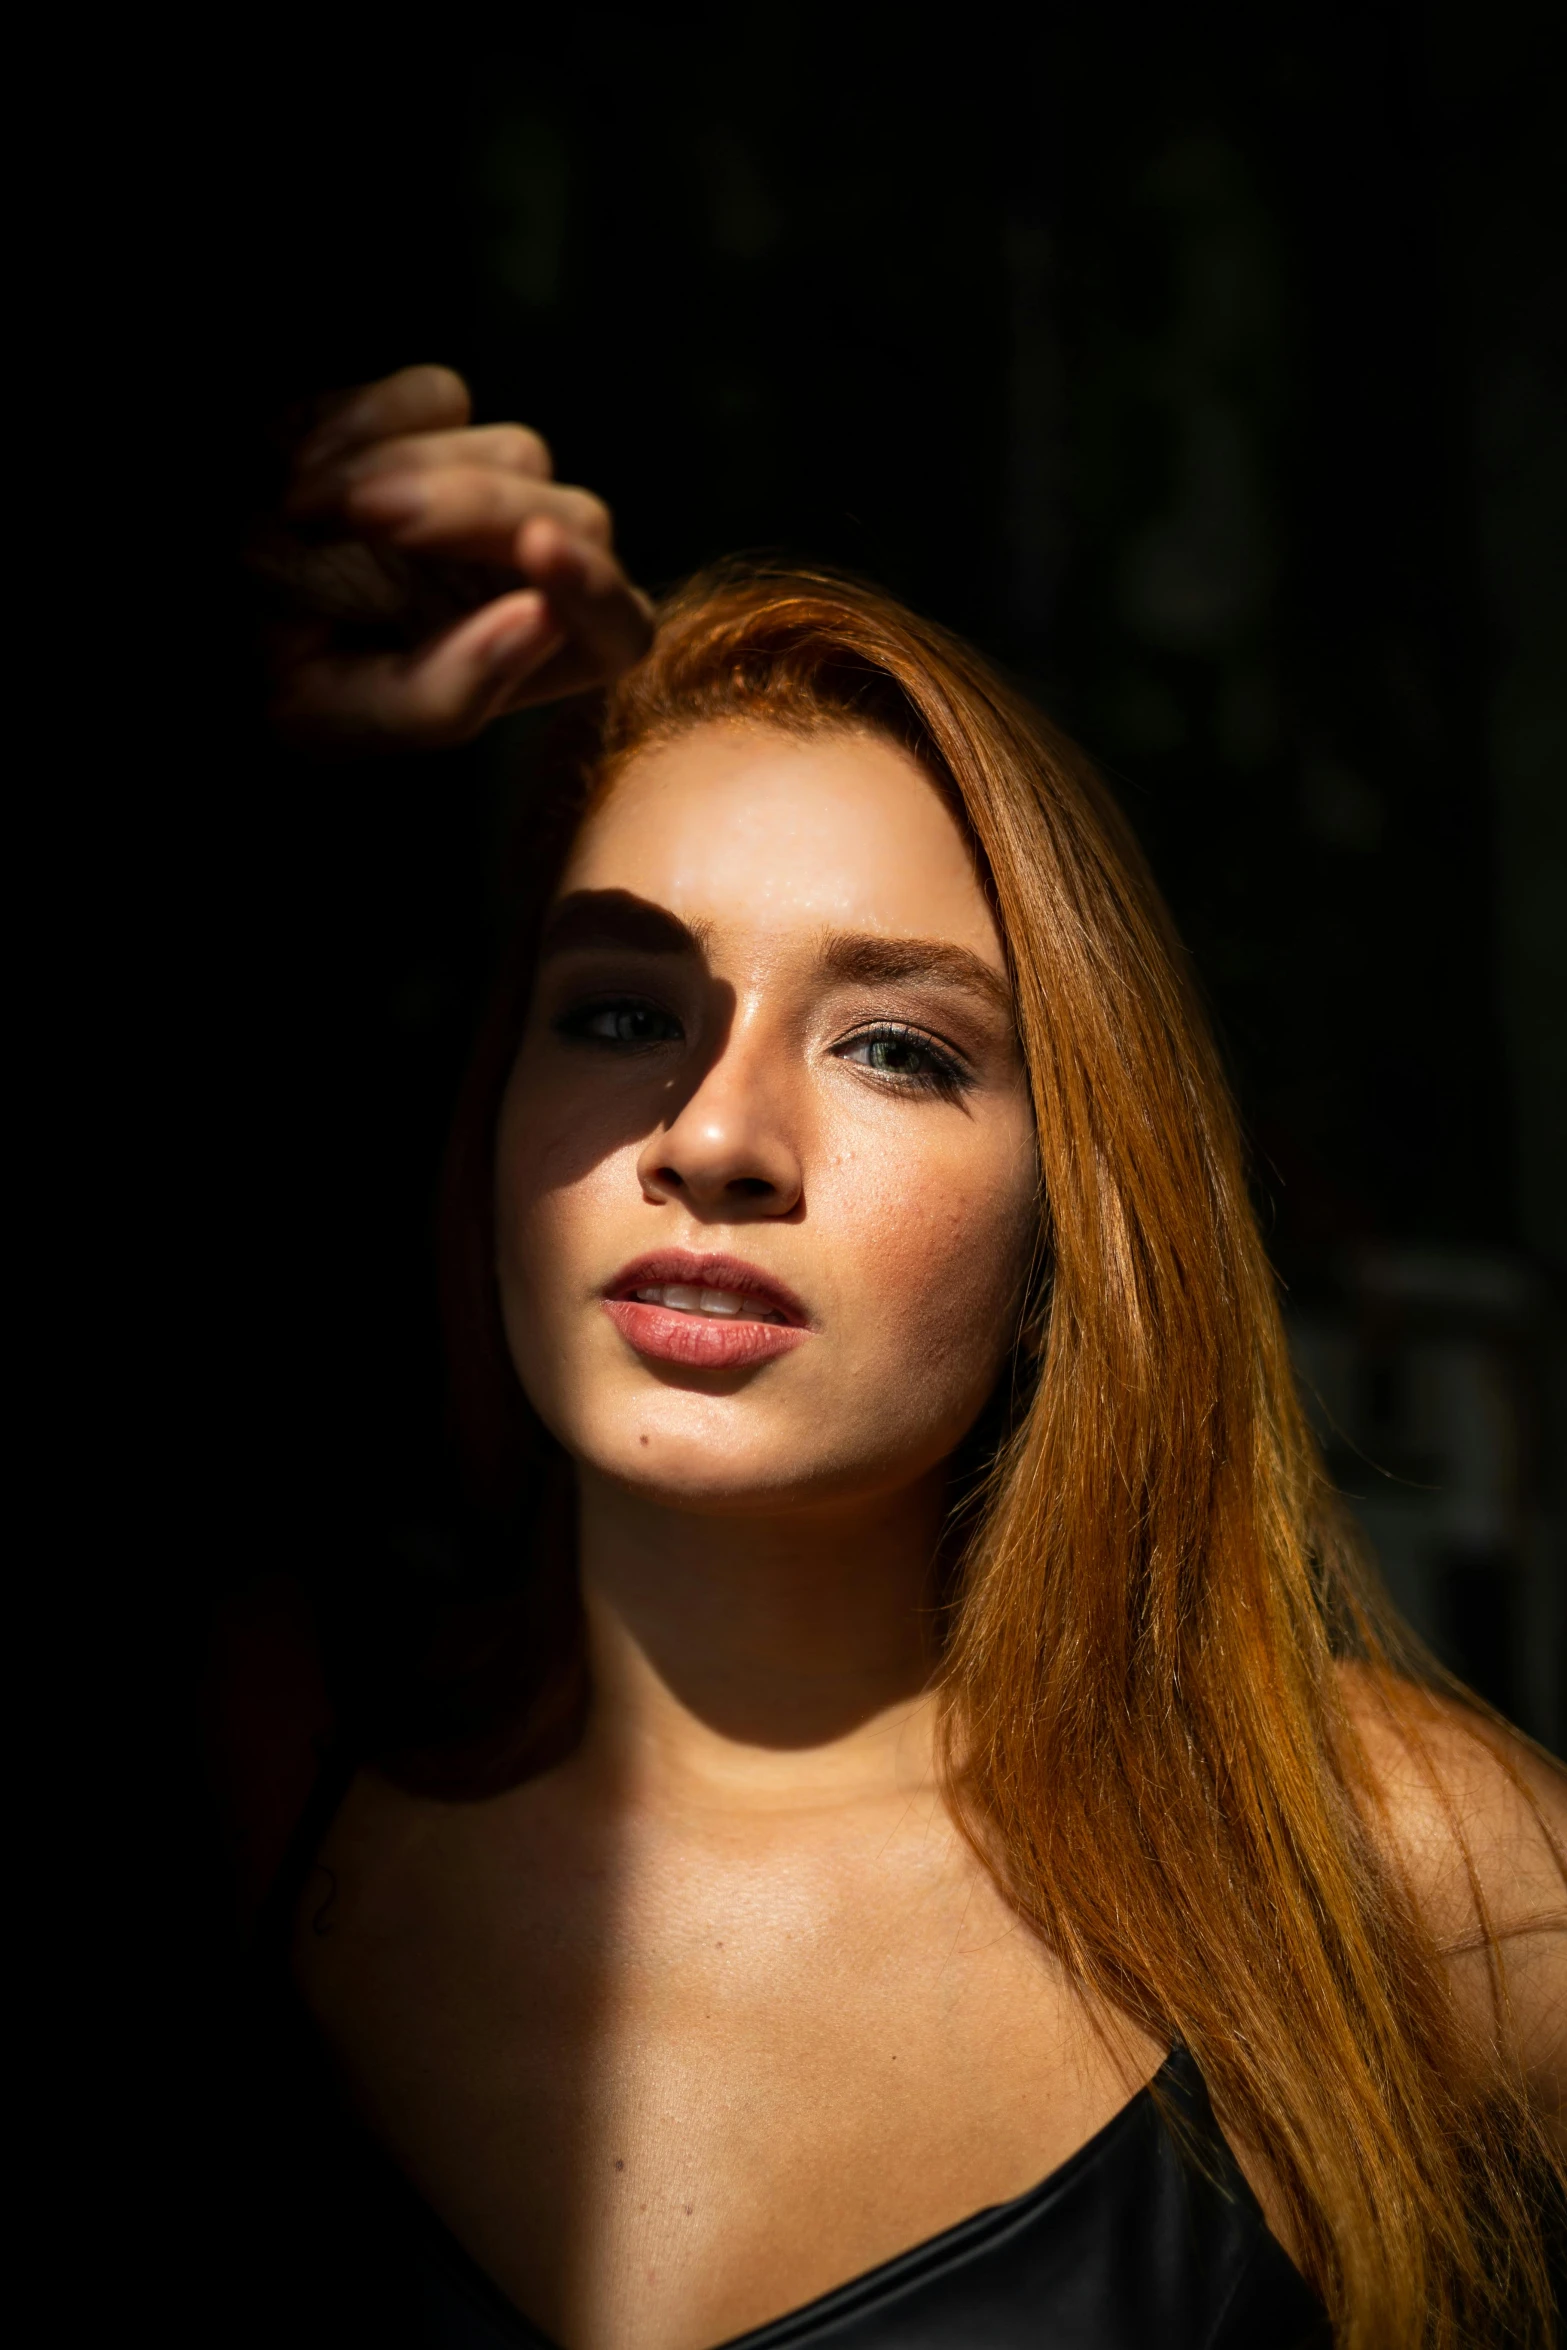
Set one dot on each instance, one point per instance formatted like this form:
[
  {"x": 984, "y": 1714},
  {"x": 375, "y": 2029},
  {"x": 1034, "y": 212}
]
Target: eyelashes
[
  {"x": 891, "y": 1051},
  {"x": 622, "y": 1023},
  {"x": 907, "y": 1057}
]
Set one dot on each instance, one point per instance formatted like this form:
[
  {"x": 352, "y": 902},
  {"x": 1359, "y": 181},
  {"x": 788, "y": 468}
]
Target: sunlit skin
[
  {"x": 866, "y": 1143},
  {"x": 722, "y": 2011},
  {"x": 866, "y": 1140}
]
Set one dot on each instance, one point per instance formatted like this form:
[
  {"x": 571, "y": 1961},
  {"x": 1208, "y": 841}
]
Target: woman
[{"x": 934, "y": 1845}]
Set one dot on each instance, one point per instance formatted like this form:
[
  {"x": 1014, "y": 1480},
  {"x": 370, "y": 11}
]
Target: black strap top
[
  {"x": 1130, "y": 2243},
  {"x": 1148, "y": 2236}
]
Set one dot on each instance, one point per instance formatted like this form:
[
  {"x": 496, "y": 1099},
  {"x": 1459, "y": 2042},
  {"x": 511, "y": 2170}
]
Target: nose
[{"x": 730, "y": 1149}]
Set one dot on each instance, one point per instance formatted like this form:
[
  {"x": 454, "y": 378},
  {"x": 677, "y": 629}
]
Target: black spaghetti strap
[{"x": 1149, "y": 2233}]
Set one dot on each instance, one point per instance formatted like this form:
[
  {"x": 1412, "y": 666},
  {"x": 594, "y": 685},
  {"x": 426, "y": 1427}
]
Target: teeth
[{"x": 684, "y": 1298}]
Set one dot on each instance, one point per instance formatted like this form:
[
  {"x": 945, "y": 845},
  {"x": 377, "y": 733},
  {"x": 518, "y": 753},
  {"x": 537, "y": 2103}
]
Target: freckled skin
[
  {"x": 722, "y": 2010},
  {"x": 902, "y": 1219}
]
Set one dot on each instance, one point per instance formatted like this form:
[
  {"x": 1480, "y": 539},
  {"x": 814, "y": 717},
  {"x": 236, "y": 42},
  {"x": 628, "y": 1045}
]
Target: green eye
[
  {"x": 897, "y": 1056},
  {"x": 626, "y": 1021},
  {"x": 906, "y": 1057}
]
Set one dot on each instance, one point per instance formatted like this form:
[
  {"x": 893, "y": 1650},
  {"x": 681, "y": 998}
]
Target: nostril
[{"x": 751, "y": 1186}]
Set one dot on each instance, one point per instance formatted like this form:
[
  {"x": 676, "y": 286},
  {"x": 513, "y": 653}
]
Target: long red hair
[{"x": 1147, "y": 1739}]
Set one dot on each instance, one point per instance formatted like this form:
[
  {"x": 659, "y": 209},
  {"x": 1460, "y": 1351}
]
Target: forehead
[{"x": 738, "y": 825}]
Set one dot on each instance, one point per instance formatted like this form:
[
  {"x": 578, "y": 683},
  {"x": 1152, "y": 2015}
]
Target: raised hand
[{"x": 425, "y": 575}]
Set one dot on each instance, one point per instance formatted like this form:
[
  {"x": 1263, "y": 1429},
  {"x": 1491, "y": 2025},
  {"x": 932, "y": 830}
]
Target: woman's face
[{"x": 766, "y": 1179}]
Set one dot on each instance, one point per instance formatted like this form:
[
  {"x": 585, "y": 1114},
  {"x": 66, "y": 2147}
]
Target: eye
[
  {"x": 907, "y": 1057},
  {"x": 630, "y": 1023}
]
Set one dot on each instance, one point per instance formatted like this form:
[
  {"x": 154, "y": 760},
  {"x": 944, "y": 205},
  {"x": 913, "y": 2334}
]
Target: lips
[{"x": 711, "y": 1313}]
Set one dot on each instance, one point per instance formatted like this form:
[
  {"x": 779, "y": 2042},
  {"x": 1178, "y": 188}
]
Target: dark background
[
  {"x": 1206, "y": 370},
  {"x": 1205, "y": 367}
]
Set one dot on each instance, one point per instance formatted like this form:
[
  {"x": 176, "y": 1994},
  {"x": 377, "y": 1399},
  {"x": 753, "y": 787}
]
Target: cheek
[
  {"x": 939, "y": 1288},
  {"x": 557, "y": 1137},
  {"x": 554, "y": 1184}
]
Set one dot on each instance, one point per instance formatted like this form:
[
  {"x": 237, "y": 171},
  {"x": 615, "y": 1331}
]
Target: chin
[
  {"x": 706, "y": 1463},
  {"x": 717, "y": 1471}
]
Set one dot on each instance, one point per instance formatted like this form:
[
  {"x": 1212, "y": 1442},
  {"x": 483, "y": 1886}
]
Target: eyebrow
[
  {"x": 592, "y": 919},
  {"x": 870, "y": 957},
  {"x": 595, "y": 918}
]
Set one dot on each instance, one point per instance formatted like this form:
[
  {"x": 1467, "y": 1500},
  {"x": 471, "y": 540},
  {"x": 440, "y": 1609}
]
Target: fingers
[
  {"x": 505, "y": 448},
  {"x": 606, "y": 624},
  {"x": 580, "y": 625},
  {"x": 444, "y": 693},
  {"x": 463, "y": 494},
  {"x": 322, "y": 486},
  {"x": 393, "y": 481},
  {"x": 472, "y": 512},
  {"x": 414, "y": 400}
]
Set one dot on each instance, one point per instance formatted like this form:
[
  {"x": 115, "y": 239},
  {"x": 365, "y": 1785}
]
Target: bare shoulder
[
  {"x": 1475, "y": 1819},
  {"x": 1473, "y": 1812}
]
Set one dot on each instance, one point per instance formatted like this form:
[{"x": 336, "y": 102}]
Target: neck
[{"x": 774, "y": 1659}]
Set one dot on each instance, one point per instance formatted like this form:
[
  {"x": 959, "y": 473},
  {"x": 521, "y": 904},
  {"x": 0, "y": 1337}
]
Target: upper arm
[
  {"x": 268, "y": 1720},
  {"x": 1475, "y": 1819}
]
